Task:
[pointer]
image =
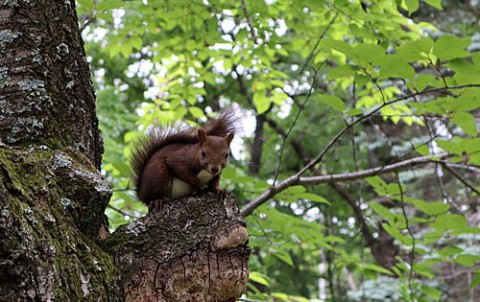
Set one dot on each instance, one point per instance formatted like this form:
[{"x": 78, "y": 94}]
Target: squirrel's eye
[{"x": 204, "y": 154}]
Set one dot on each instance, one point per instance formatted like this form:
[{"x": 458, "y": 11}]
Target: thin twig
[
  {"x": 285, "y": 137},
  {"x": 320, "y": 38},
  {"x": 249, "y": 22},
  {"x": 460, "y": 178},
  {"x": 121, "y": 211},
  {"x": 410, "y": 232}
]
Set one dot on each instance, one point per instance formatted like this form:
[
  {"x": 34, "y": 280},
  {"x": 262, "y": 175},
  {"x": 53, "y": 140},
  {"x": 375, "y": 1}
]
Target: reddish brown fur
[{"x": 181, "y": 153}]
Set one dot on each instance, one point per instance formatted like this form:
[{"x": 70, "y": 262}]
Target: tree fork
[{"x": 192, "y": 249}]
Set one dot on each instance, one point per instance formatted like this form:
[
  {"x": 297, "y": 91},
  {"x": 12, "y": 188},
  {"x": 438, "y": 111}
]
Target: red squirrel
[{"x": 171, "y": 163}]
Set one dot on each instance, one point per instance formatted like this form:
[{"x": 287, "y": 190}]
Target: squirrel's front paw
[
  {"x": 218, "y": 191},
  {"x": 156, "y": 204}
]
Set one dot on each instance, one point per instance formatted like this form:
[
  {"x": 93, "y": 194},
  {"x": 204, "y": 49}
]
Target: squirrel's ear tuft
[
  {"x": 202, "y": 136},
  {"x": 229, "y": 138}
]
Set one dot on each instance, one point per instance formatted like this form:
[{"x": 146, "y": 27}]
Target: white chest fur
[
  {"x": 181, "y": 189},
  {"x": 204, "y": 176}
]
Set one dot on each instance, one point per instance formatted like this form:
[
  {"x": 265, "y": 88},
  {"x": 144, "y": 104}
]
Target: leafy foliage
[{"x": 346, "y": 86}]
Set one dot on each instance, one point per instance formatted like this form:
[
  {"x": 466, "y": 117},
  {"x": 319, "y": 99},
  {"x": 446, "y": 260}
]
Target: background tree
[{"x": 358, "y": 170}]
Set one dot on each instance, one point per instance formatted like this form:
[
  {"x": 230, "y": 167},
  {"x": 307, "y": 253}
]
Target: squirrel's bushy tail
[
  {"x": 158, "y": 138},
  {"x": 224, "y": 124}
]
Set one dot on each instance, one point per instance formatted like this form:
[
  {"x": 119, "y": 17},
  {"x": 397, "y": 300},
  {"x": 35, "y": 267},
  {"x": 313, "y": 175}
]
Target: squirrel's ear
[
  {"x": 229, "y": 138},
  {"x": 202, "y": 137}
]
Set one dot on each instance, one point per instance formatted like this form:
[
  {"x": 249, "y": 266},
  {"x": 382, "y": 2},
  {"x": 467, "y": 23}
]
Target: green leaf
[
  {"x": 396, "y": 68},
  {"x": 86, "y": 4},
  {"x": 449, "y": 251},
  {"x": 109, "y": 4},
  {"x": 340, "y": 46},
  {"x": 406, "y": 240},
  {"x": 435, "y": 3},
  {"x": 423, "y": 150},
  {"x": 475, "y": 280},
  {"x": 467, "y": 260},
  {"x": 378, "y": 184},
  {"x": 466, "y": 121},
  {"x": 136, "y": 42},
  {"x": 262, "y": 103},
  {"x": 382, "y": 211},
  {"x": 432, "y": 292},
  {"x": 415, "y": 50},
  {"x": 283, "y": 256},
  {"x": 448, "y": 222},
  {"x": 412, "y": 6},
  {"x": 294, "y": 190},
  {"x": 450, "y": 47},
  {"x": 227, "y": 64},
  {"x": 370, "y": 53},
  {"x": 432, "y": 237},
  {"x": 376, "y": 268},
  {"x": 259, "y": 278},
  {"x": 341, "y": 71},
  {"x": 196, "y": 112},
  {"x": 430, "y": 208},
  {"x": 423, "y": 269},
  {"x": 426, "y": 80},
  {"x": 354, "y": 112},
  {"x": 450, "y": 146},
  {"x": 333, "y": 101}
]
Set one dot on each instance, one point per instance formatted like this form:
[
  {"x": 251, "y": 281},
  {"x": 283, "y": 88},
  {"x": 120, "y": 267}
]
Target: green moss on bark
[{"x": 44, "y": 251}]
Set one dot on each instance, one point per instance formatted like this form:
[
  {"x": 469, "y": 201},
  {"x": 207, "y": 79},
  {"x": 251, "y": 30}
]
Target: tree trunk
[
  {"x": 53, "y": 198},
  {"x": 193, "y": 249}
]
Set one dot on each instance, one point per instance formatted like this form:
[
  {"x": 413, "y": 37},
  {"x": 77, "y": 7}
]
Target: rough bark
[
  {"x": 193, "y": 249},
  {"x": 46, "y": 94},
  {"x": 52, "y": 195},
  {"x": 46, "y": 253}
]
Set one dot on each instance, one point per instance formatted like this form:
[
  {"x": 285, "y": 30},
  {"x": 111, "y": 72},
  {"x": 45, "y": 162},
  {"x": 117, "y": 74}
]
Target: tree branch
[
  {"x": 461, "y": 179},
  {"x": 332, "y": 178},
  {"x": 122, "y": 212},
  {"x": 249, "y": 22},
  {"x": 295, "y": 179},
  {"x": 287, "y": 133},
  {"x": 320, "y": 38}
]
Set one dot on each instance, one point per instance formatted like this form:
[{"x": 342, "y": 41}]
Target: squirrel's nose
[{"x": 214, "y": 169}]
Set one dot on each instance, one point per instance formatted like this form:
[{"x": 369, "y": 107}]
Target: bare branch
[
  {"x": 295, "y": 179},
  {"x": 313, "y": 180},
  {"x": 332, "y": 178},
  {"x": 470, "y": 168}
]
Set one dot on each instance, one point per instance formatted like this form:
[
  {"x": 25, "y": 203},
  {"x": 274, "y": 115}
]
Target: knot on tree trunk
[{"x": 193, "y": 249}]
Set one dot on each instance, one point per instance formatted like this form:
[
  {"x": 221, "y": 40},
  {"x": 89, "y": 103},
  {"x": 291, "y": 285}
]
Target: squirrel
[{"x": 170, "y": 163}]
